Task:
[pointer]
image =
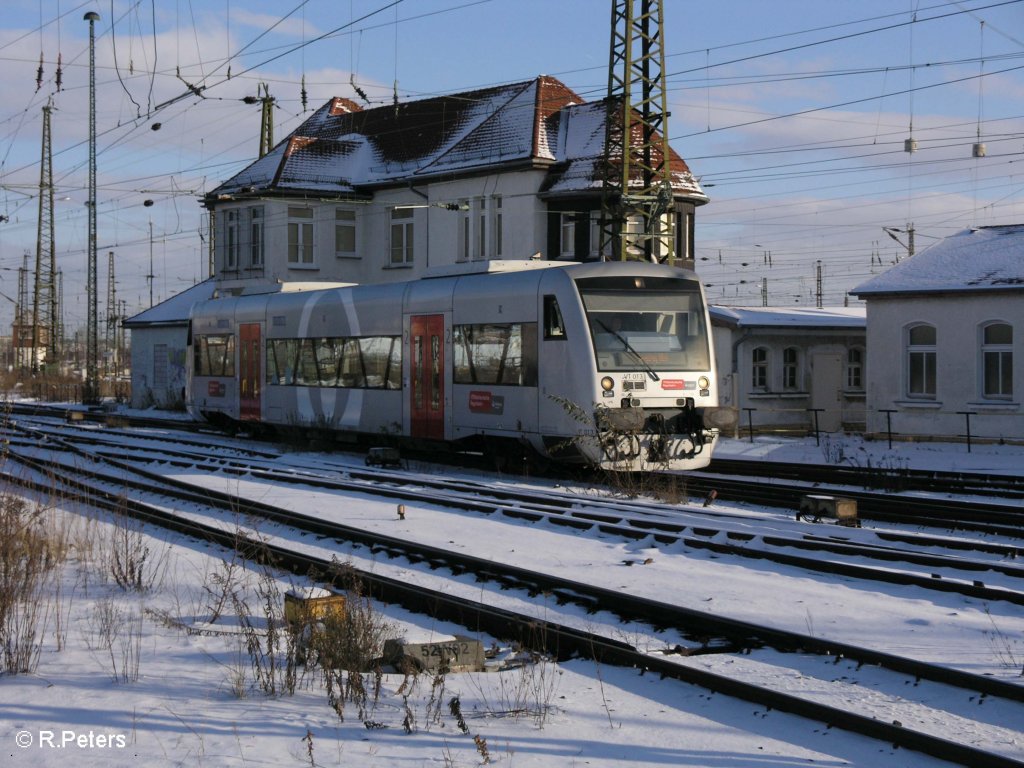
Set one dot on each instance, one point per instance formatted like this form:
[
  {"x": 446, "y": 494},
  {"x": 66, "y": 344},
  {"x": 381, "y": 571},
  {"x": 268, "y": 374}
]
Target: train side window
[
  {"x": 214, "y": 355},
  {"x": 554, "y": 328}
]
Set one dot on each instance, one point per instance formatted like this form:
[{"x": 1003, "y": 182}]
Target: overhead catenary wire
[{"x": 187, "y": 169}]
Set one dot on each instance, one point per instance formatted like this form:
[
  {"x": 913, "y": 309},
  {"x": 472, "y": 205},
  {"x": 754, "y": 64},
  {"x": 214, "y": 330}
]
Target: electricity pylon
[
  {"x": 637, "y": 219},
  {"x": 45, "y": 311}
]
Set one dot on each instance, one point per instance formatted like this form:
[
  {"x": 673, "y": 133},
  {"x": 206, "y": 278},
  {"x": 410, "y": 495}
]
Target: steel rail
[{"x": 563, "y": 641}]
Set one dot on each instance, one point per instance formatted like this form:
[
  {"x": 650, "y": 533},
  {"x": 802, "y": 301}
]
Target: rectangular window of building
[
  {"x": 496, "y": 232},
  {"x": 855, "y": 369},
  {"x": 300, "y": 236},
  {"x": 759, "y": 369},
  {"x": 567, "y": 240},
  {"x": 256, "y": 233},
  {"x": 231, "y": 245},
  {"x": 481, "y": 233},
  {"x": 997, "y": 361},
  {"x": 790, "y": 368},
  {"x": 401, "y": 237},
  {"x": 921, "y": 361},
  {"x": 598, "y": 248},
  {"x": 344, "y": 232}
]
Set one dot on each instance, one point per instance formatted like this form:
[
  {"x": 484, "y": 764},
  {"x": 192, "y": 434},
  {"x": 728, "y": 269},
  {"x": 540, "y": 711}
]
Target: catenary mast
[
  {"x": 636, "y": 202},
  {"x": 45, "y": 330}
]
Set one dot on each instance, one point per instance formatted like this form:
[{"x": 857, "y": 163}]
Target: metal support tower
[
  {"x": 110, "y": 346},
  {"x": 45, "y": 338},
  {"x": 22, "y": 333},
  {"x": 636, "y": 192},
  {"x": 91, "y": 390},
  {"x": 266, "y": 121}
]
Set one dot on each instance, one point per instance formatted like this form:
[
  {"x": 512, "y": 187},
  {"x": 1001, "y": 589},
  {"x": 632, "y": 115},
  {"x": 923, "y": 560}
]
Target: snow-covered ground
[{"x": 119, "y": 679}]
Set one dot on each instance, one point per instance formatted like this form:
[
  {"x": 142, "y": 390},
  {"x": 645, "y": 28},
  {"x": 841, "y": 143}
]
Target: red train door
[
  {"x": 426, "y": 351},
  {"x": 249, "y": 371}
]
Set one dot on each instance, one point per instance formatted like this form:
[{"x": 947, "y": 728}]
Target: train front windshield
[{"x": 645, "y": 323}]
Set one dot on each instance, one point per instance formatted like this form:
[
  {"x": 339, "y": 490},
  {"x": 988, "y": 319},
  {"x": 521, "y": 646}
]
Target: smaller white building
[
  {"x": 785, "y": 368},
  {"x": 944, "y": 332},
  {"x": 159, "y": 346}
]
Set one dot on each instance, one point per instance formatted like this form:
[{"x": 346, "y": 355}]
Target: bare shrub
[
  {"x": 127, "y": 557},
  {"x": 222, "y": 585},
  {"x": 118, "y": 636},
  {"x": 526, "y": 688},
  {"x": 272, "y": 646},
  {"x": 346, "y": 647},
  {"x": 1009, "y": 651},
  {"x": 29, "y": 558}
]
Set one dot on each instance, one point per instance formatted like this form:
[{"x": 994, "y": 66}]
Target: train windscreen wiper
[{"x": 629, "y": 348}]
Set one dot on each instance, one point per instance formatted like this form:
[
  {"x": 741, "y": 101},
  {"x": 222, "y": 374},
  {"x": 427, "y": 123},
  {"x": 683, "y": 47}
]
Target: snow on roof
[
  {"x": 977, "y": 259},
  {"x": 343, "y": 149},
  {"x": 786, "y": 317},
  {"x": 175, "y": 310},
  {"x": 338, "y": 149},
  {"x": 582, "y": 137}
]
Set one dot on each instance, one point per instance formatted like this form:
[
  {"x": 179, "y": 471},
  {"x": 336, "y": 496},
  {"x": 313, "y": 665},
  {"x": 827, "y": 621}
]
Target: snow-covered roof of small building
[
  {"x": 852, "y": 318},
  {"x": 344, "y": 150},
  {"x": 976, "y": 259},
  {"x": 175, "y": 310}
]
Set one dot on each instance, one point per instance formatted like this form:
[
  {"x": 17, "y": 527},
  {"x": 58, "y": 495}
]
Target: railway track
[
  {"x": 564, "y": 637},
  {"x": 886, "y": 478},
  {"x": 992, "y": 574}
]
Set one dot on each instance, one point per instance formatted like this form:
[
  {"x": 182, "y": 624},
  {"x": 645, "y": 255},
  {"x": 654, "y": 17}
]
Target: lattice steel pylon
[
  {"x": 22, "y": 331},
  {"x": 45, "y": 312},
  {"x": 110, "y": 346},
  {"x": 636, "y": 188},
  {"x": 91, "y": 389}
]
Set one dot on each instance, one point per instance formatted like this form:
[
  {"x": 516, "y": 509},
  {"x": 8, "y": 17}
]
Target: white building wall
[
  {"x": 777, "y": 407},
  {"x": 438, "y": 232},
  {"x": 164, "y": 388},
  {"x": 958, "y": 320},
  {"x": 522, "y": 215}
]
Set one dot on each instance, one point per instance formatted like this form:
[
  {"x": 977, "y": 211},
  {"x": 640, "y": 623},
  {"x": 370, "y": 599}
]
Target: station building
[
  {"x": 792, "y": 369},
  {"x": 945, "y": 339},
  {"x": 383, "y": 194}
]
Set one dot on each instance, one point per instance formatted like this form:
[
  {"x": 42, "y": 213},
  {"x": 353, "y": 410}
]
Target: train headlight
[
  {"x": 703, "y": 382},
  {"x": 607, "y": 384}
]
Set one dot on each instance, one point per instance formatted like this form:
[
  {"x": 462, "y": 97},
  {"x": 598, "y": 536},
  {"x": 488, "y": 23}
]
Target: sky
[{"x": 792, "y": 114}]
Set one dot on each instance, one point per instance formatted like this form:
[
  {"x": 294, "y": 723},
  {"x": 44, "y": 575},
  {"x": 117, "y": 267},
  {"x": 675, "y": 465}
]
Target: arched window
[
  {"x": 759, "y": 368},
  {"x": 855, "y": 369},
  {"x": 921, "y": 361},
  {"x": 997, "y": 360},
  {"x": 791, "y": 368}
]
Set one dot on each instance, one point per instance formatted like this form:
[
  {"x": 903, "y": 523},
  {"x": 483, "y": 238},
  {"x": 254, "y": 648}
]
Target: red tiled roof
[{"x": 344, "y": 149}]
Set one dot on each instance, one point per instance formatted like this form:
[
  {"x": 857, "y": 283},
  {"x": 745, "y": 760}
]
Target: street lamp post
[{"x": 91, "y": 391}]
